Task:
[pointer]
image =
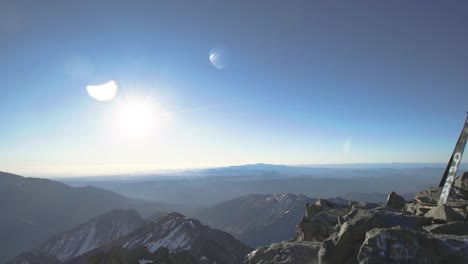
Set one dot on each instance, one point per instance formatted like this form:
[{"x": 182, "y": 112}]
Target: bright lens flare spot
[
  {"x": 103, "y": 92},
  {"x": 137, "y": 117}
]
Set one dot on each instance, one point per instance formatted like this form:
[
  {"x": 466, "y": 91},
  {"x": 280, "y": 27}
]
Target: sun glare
[{"x": 138, "y": 116}]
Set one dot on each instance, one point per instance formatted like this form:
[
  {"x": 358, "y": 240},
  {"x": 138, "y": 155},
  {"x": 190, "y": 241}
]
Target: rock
[
  {"x": 395, "y": 201},
  {"x": 453, "y": 228},
  {"x": 416, "y": 208},
  {"x": 344, "y": 245},
  {"x": 312, "y": 209},
  {"x": 405, "y": 245},
  {"x": 462, "y": 182},
  {"x": 460, "y": 186},
  {"x": 443, "y": 213},
  {"x": 324, "y": 203},
  {"x": 285, "y": 253},
  {"x": 321, "y": 223},
  {"x": 428, "y": 197},
  {"x": 364, "y": 205},
  {"x": 313, "y": 230}
]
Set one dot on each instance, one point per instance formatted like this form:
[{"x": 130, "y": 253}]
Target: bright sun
[{"x": 137, "y": 116}]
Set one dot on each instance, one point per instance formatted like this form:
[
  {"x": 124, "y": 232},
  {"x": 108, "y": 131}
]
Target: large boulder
[
  {"x": 321, "y": 221},
  {"x": 395, "y": 201},
  {"x": 443, "y": 213},
  {"x": 453, "y": 228},
  {"x": 462, "y": 182},
  {"x": 343, "y": 246},
  {"x": 460, "y": 186},
  {"x": 405, "y": 245},
  {"x": 285, "y": 253}
]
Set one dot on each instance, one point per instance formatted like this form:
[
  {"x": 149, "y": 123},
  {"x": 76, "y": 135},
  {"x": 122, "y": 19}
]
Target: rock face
[
  {"x": 395, "y": 201},
  {"x": 285, "y": 253},
  {"x": 403, "y": 245},
  {"x": 418, "y": 231},
  {"x": 443, "y": 213},
  {"x": 177, "y": 235},
  {"x": 87, "y": 236},
  {"x": 320, "y": 221},
  {"x": 343, "y": 246}
]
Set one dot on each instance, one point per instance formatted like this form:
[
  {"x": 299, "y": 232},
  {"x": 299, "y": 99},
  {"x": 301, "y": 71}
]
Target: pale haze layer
[{"x": 210, "y": 83}]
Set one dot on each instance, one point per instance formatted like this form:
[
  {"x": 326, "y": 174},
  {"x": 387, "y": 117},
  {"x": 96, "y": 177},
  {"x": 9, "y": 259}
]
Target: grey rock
[
  {"x": 443, "y": 213},
  {"x": 416, "y": 208},
  {"x": 405, "y": 245},
  {"x": 462, "y": 182},
  {"x": 285, "y": 253},
  {"x": 395, "y": 201},
  {"x": 364, "y": 205},
  {"x": 312, "y": 209},
  {"x": 343, "y": 246},
  {"x": 453, "y": 228},
  {"x": 324, "y": 203},
  {"x": 321, "y": 224}
]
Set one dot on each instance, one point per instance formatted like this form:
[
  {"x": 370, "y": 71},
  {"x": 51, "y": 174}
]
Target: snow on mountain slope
[
  {"x": 176, "y": 234},
  {"x": 87, "y": 236},
  {"x": 257, "y": 219}
]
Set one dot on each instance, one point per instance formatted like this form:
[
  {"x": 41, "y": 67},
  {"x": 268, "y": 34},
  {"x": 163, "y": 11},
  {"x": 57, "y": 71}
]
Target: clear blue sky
[{"x": 305, "y": 82}]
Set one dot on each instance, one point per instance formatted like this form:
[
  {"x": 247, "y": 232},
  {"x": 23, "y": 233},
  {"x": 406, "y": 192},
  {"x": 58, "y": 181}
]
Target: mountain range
[{"x": 33, "y": 209}]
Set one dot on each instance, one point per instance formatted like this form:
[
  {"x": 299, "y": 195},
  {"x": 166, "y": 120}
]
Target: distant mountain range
[
  {"x": 258, "y": 219},
  {"x": 32, "y": 209},
  {"x": 213, "y": 186}
]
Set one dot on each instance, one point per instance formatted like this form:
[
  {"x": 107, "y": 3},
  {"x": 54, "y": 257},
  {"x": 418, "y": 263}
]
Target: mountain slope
[
  {"x": 257, "y": 219},
  {"x": 32, "y": 209},
  {"x": 177, "y": 234},
  {"x": 87, "y": 236}
]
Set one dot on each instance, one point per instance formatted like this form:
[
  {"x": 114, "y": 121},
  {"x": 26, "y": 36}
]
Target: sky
[{"x": 293, "y": 82}]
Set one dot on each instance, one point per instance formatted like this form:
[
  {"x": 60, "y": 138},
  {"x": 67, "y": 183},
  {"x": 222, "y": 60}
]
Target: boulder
[
  {"x": 416, "y": 208},
  {"x": 395, "y": 201},
  {"x": 405, "y": 245},
  {"x": 462, "y": 182},
  {"x": 453, "y": 228},
  {"x": 311, "y": 210},
  {"x": 324, "y": 203},
  {"x": 364, "y": 205},
  {"x": 320, "y": 222},
  {"x": 285, "y": 253},
  {"x": 343, "y": 246},
  {"x": 443, "y": 213}
]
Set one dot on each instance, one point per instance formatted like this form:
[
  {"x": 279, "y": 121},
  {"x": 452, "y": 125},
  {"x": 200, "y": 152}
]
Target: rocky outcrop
[
  {"x": 320, "y": 220},
  {"x": 405, "y": 245},
  {"x": 285, "y": 253},
  {"x": 343, "y": 246},
  {"x": 395, "y": 201},
  {"x": 417, "y": 231}
]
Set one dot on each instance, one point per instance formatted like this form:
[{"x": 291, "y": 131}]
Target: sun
[{"x": 137, "y": 116}]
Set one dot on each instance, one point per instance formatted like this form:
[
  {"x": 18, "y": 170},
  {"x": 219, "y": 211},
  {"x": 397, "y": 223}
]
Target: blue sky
[{"x": 306, "y": 82}]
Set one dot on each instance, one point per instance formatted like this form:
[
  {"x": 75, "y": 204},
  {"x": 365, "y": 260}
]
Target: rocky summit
[{"x": 399, "y": 231}]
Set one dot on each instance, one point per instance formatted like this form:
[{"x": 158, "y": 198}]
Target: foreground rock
[
  {"x": 343, "y": 246},
  {"x": 285, "y": 253},
  {"x": 403, "y": 245},
  {"x": 418, "y": 231}
]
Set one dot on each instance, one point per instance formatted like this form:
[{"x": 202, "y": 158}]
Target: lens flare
[{"x": 103, "y": 92}]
